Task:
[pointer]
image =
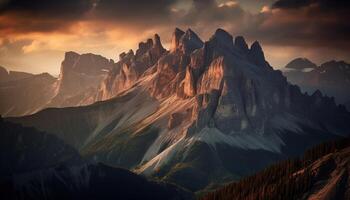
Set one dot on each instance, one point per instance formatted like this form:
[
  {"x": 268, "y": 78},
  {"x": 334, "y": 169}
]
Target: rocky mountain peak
[
  {"x": 157, "y": 48},
  {"x": 241, "y": 44},
  {"x": 144, "y": 47},
  {"x": 130, "y": 67},
  {"x": 222, "y": 39},
  {"x": 336, "y": 67},
  {"x": 156, "y": 40},
  {"x": 256, "y": 54},
  {"x": 175, "y": 40},
  {"x": 189, "y": 42},
  {"x": 79, "y": 74},
  {"x": 300, "y": 64},
  {"x": 89, "y": 63},
  {"x": 317, "y": 94},
  {"x": 70, "y": 55}
]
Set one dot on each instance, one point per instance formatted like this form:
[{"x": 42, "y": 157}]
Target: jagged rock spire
[
  {"x": 177, "y": 34},
  {"x": 223, "y": 39},
  {"x": 256, "y": 54},
  {"x": 190, "y": 42},
  {"x": 241, "y": 44},
  {"x": 185, "y": 42},
  {"x": 157, "y": 48},
  {"x": 156, "y": 41}
]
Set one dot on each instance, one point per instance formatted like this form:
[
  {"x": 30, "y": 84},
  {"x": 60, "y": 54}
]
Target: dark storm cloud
[
  {"x": 315, "y": 23},
  {"x": 139, "y": 14},
  {"x": 68, "y": 9},
  {"x": 209, "y": 13},
  {"x": 45, "y": 15},
  {"x": 121, "y": 10},
  {"x": 323, "y": 4},
  {"x": 291, "y": 3},
  {"x": 318, "y": 23},
  {"x": 20, "y": 16}
]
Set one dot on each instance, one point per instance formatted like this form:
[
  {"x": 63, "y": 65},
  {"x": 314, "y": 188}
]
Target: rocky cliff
[{"x": 130, "y": 67}]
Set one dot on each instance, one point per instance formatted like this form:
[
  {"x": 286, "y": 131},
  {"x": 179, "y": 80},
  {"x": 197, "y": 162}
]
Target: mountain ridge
[
  {"x": 331, "y": 77},
  {"x": 77, "y": 84},
  {"x": 194, "y": 112},
  {"x": 321, "y": 173}
]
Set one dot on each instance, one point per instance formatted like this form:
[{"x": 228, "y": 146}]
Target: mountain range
[
  {"x": 77, "y": 84},
  {"x": 331, "y": 78},
  {"x": 200, "y": 114}
]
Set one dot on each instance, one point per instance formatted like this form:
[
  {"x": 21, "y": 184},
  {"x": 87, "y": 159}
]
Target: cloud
[
  {"x": 138, "y": 12},
  {"x": 309, "y": 23},
  {"x": 110, "y": 26},
  {"x": 22, "y": 16},
  {"x": 66, "y": 9},
  {"x": 323, "y": 4}
]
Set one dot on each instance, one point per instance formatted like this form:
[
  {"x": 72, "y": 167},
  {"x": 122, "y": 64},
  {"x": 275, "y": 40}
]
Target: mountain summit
[
  {"x": 198, "y": 115},
  {"x": 300, "y": 64}
]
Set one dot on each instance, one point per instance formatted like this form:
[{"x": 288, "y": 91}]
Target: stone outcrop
[{"x": 80, "y": 78}]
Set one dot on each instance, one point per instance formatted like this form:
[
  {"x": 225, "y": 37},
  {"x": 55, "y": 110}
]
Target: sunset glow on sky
[{"x": 35, "y": 34}]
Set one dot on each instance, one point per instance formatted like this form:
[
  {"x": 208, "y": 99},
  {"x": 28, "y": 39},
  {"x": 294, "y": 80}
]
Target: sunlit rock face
[
  {"x": 203, "y": 111},
  {"x": 80, "y": 78},
  {"x": 171, "y": 73},
  {"x": 130, "y": 67}
]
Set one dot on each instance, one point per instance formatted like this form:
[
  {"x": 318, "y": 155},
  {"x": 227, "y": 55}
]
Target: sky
[{"x": 34, "y": 34}]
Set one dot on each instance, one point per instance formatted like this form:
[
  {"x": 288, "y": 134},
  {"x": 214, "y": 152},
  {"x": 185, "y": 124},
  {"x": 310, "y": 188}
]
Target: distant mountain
[
  {"x": 300, "y": 64},
  {"x": 332, "y": 78},
  {"x": 322, "y": 173},
  {"x": 78, "y": 84},
  {"x": 6, "y": 76},
  {"x": 199, "y": 114},
  {"x": 27, "y": 95},
  {"x": 36, "y": 165}
]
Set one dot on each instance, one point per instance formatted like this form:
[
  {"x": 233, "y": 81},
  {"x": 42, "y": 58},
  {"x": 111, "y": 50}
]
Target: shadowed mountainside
[
  {"x": 322, "y": 173},
  {"x": 37, "y": 165}
]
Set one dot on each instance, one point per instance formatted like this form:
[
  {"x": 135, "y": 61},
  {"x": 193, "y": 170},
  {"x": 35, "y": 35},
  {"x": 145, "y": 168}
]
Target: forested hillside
[{"x": 321, "y": 171}]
